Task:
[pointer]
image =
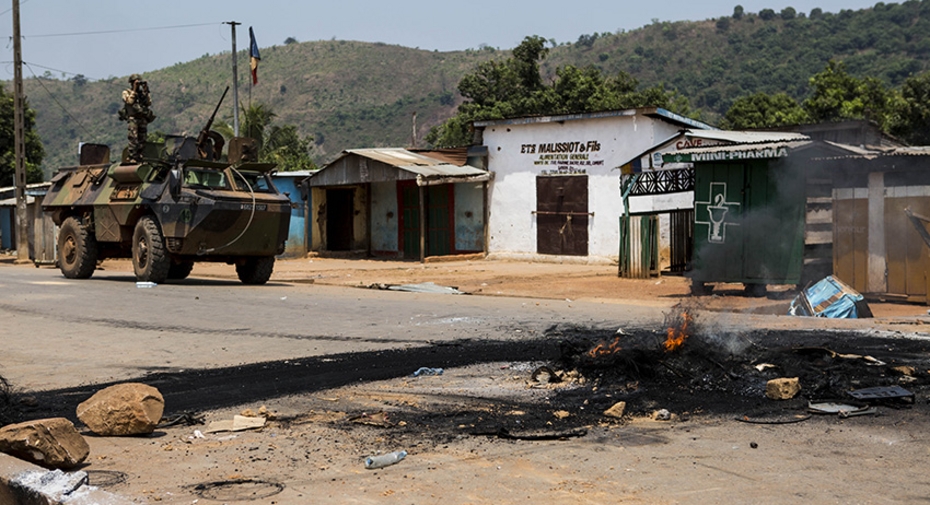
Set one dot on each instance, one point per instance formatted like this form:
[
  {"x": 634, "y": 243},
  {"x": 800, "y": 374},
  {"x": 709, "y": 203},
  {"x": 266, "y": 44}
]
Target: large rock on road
[
  {"x": 123, "y": 409},
  {"x": 52, "y": 443}
]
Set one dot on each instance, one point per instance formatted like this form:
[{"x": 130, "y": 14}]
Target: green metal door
[
  {"x": 748, "y": 223},
  {"x": 439, "y": 227}
]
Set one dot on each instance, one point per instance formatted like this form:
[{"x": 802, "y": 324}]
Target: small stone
[
  {"x": 782, "y": 389},
  {"x": 52, "y": 443},
  {"x": 616, "y": 411},
  {"x": 753, "y": 445},
  {"x": 905, "y": 370},
  {"x": 662, "y": 415},
  {"x": 123, "y": 409},
  {"x": 561, "y": 414}
]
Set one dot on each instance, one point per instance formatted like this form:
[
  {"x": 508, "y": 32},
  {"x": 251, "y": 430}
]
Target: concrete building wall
[
  {"x": 384, "y": 217},
  {"x": 598, "y": 147}
]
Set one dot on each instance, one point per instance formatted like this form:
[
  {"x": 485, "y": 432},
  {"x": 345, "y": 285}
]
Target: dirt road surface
[{"x": 484, "y": 431}]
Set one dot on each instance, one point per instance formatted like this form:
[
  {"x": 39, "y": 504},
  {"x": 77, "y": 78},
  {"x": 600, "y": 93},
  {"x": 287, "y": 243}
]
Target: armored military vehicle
[{"x": 184, "y": 202}]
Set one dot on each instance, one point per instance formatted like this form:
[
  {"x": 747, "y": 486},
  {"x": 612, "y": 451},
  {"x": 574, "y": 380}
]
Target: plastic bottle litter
[
  {"x": 427, "y": 371},
  {"x": 383, "y": 460},
  {"x": 145, "y": 284}
]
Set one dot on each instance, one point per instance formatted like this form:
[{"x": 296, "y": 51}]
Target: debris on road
[
  {"x": 782, "y": 388},
  {"x": 262, "y": 412},
  {"x": 883, "y": 393},
  {"x": 842, "y": 409},
  {"x": 425, "y": 371},
  {"x": 124, "y": 409},
  {"x": 146, "y": 284},
  {"x": 423, "y": 287},
  {"x": 383, "y": 460},
  {"x": 379, "y": 419},
  {"x": 545, "y": 375},
  {"x": 238, "y": 423},
  {"x": 616, "y": 410},
  {"x": 662, "y": 415},
  {"x": 52, "y": 443},
  {"x": 831, "y": 298}
]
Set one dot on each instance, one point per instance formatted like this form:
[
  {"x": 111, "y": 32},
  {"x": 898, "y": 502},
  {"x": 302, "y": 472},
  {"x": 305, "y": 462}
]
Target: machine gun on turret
[{"x": 210, "y": 143}]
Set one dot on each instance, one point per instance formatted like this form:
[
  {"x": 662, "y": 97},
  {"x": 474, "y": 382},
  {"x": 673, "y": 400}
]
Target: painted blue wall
[
  {"x": 469, "y": 217},
  {"x": 296, "y": 245},
  {"x": 384, "y": 217}
]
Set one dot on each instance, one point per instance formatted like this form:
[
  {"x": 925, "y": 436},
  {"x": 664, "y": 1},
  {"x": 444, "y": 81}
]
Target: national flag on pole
[{"x": 254, "y": 57}]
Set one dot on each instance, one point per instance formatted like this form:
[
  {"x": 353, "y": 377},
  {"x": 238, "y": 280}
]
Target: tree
[
  {"x": 788, "y": 13},
  {"x": 513, "y": 87},
  {"x": 837, "y": 96},
  {"x": 912, "y": 120},
  {"x": 761, "y": 110},
  {"x": 767, "y": 14},
  {"x": 738, "y": 12},
  {"x": 34, "y": 151},
  {"x": 278, "y": 144},
  {"x": 290, "y": 40}
]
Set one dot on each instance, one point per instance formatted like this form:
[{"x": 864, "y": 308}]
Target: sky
[{"x": 146, "y": 36}]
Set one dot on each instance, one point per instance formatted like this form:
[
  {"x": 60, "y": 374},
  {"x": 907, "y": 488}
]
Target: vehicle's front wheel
[
  {"x": 180, "y": 271},
  {"x": 150, "y": 261},
  {"x": 77, "y": 249},
  {"x": 255, "y": 270}
]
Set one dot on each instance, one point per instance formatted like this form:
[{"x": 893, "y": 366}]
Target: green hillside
[{"x": 354, "y": 94}]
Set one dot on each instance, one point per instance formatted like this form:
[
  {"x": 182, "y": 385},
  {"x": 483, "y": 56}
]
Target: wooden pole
[
  {"x": 19, "y": 143},
  {"x": 422, "y": 224}
]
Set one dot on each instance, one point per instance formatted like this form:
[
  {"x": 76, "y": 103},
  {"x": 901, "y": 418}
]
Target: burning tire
[{"x": 77, "y": 250}]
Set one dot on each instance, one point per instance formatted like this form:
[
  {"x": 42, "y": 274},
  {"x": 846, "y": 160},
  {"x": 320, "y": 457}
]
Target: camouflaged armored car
[{"x": 185, "y": 202}]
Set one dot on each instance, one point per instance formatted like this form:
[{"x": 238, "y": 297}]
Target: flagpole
[{"x": 235, "y": 69}]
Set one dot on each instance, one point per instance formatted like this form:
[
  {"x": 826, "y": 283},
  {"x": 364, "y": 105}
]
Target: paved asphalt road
[{"x": 60, "y": 333}]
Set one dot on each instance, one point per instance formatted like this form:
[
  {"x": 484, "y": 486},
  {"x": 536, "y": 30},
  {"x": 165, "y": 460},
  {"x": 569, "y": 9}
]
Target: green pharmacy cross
[{"x": 716, "y": 213}]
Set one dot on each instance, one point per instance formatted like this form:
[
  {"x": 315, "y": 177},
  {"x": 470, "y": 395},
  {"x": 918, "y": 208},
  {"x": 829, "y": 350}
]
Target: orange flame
[
  {"x": 603, "y": 349},
  {"x": 677, "y": 336}
]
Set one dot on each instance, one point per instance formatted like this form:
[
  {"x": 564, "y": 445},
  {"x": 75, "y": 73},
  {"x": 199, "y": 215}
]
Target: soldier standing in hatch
[{"x": 137, "y": 110}]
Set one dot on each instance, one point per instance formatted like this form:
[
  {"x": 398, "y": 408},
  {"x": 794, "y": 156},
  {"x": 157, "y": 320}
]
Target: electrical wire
[
  {"x": 106, "y": 32},
  {"x": 24, "y": 2},
  {"x": 55, "y": 99}
]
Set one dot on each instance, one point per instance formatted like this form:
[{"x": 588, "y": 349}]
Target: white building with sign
[{"x": 556, "y": 190}]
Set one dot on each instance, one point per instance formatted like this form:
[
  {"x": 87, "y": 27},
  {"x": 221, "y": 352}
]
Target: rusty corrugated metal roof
[{"x": 416, "y": 163}]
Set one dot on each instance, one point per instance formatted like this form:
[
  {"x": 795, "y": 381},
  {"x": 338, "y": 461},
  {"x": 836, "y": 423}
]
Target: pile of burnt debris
[
  {"x": 690, "y": 368},
  {"x": 8, "y": 406}
]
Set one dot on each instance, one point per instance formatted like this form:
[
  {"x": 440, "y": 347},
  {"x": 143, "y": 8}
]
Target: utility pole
[
  {"x": 235, "y": 87},
  {"x": 19, "y": 143}
]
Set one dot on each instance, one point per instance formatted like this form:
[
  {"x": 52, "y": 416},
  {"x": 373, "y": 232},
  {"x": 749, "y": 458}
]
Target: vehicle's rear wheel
[
  {"x": 149, "y": 258},
  {"x": 179, "y": 271},
  {"x": 77, "y": 249},
  {"x": 255, "y": 270}
]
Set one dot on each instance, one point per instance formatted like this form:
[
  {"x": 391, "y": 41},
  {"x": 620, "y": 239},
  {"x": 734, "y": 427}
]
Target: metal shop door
[
  {"x": 340, "y": 214},
  {"x": 562, "y": 215},
  {"x": 439, "y": 205},
  {"x": 639, "y": 246},
  {"x": 681, "y": 224}
]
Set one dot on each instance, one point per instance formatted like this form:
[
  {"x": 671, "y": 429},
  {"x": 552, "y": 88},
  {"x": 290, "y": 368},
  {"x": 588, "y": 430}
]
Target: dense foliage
[
  {"x": 34, "y": 151},
  {"x": 279, "y": 144},
  {"x": 835, "y": 96},
  {"x": 514, "y": 87}
]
